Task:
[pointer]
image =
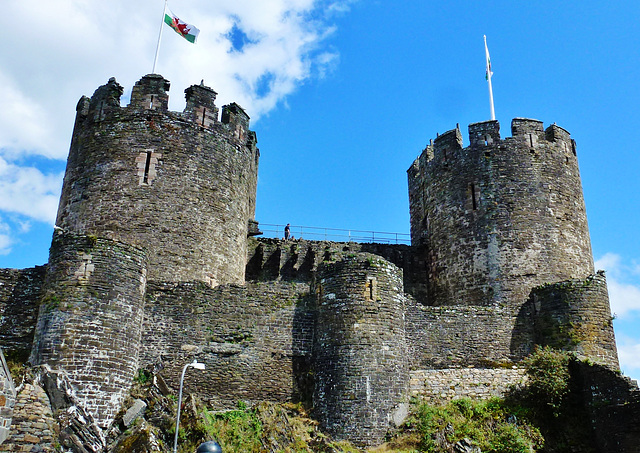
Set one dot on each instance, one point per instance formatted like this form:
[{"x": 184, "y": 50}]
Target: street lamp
[{"x": 199, "y": 366}]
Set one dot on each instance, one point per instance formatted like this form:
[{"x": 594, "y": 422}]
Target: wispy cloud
[
  {"x": 623, "y": 281},
  {"x": 5, "y": 239},
  {"x": 29, "y": 192},
  {"x": 629, "y": 355}
]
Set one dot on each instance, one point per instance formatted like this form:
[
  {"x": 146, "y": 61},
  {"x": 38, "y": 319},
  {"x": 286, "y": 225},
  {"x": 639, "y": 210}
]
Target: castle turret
[
  {"x": 180, "y": 185},
  {"x": 360, "y": 360},
  {"x": 90, "y": 320},
  {"x": 574, "y": 315},
  {"x": 500, "y": 216}
]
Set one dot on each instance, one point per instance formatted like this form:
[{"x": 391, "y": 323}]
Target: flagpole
[
  {"x": 489, "y": 73},
  {"x": 155, "y": 60}
]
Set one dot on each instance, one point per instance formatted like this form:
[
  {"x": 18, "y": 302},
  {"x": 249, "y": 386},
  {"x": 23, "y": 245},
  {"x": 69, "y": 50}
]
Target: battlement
[
  {"x": 201, "y": 105},
  {"x": 446, "y": 144},
  {"x": 150, "y": 94},
  {"x": 105, "y": 99},
  {"x": 237, "y": 119},
  {"x": 485, "y": 133}
]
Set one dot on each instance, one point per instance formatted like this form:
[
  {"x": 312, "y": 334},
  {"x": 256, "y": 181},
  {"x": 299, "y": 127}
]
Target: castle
[{"x": 156, "y": 260}]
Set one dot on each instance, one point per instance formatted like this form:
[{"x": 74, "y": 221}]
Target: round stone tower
[
  {"x": 90, "y": 319},
  {"x": 180, "y": 185},
  {"x": 361, "y": 376},
  {"x": 499, "y": 217},
  {"x": 574, "y": 315}
]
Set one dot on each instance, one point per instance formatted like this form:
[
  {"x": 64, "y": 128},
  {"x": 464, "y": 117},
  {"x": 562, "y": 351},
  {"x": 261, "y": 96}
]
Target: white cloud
[
  {"x": 623, "y": 284},
  {"x": 5, "y": 239},
  {"x": 27, "y": 191},
  {"x": 24, "y": 123},
  {"x": 629, "y": 355}
]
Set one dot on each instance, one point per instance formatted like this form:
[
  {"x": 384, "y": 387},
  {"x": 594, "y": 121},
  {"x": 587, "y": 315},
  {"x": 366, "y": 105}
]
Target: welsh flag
[{"x": 188, "y": 32}]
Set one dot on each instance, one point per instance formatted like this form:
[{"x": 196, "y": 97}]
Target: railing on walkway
[{"x": 334, "y": 234}]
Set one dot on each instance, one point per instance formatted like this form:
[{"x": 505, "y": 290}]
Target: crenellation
[
  {"x": 446, "y": 145},
  {"x": 486, "y": 133},
  {"x": 150, "y": 93},
  {"x": 526, "y": 126},
  {"x": 200, "y": 107},
  {"x": 237, "y": 121},
  {"x": 104, "y": 101}
]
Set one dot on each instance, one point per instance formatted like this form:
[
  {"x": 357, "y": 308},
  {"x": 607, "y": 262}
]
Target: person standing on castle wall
[{"x": 286, "y": 231}]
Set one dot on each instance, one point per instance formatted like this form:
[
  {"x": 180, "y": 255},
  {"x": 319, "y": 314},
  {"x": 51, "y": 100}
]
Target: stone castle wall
[
  {"x": 444, "y": 385},
  {"x": 90, "y": 319},
  {"x": 7, "y": 398},
  {"x": 298, "y": 260},
  {"x": 460, "y": 335},
  {"x": 360, "y": 361},
  {"x": 255, "y": 340},
  {"x": 19, "y": 298},
  {"x": 500, "y": 216},
  {"x": 33, "y": 427},
  {"x": 575, "y": 315},
  {"x": 180, "y": 185},
  {"x": 612, "y": 405}
]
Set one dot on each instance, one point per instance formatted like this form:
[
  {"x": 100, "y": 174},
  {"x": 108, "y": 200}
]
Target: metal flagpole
[
  {"x": 489, "y": 74},
  {"x": 155, "y": 60}
]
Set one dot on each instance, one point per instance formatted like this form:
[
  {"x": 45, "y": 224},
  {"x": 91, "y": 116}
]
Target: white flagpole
[
  {"x": 155, "y": 60},
  {"x": 489, "y": 74}
]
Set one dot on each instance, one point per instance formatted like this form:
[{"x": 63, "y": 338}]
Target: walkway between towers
[{"x": 334, "y": 234}]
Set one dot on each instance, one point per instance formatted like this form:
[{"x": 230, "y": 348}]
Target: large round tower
[
  {"x": 180, "y": 185},
  {"x": 500, "y": 216}
]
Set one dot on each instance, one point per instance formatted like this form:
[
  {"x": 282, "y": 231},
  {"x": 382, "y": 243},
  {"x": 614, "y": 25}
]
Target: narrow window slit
[
  {"x": 474, "y": 201},
  {"x": 147, "y": 165},
  {"x": 204, "y": 114},
  {"x": 531, "y": 140},
  {"x": 151, "y": 102}
]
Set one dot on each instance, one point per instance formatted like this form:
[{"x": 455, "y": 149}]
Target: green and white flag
[
  {"x": 488, "y": 73},
  {"x": 187, "y": 31}
]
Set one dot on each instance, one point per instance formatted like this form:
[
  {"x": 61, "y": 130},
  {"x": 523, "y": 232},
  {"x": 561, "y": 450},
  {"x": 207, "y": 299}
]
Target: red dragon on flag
[{"x": 187, "y": 31}]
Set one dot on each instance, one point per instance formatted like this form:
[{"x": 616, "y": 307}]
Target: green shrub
[
  {"x": 491, "y": 425},
  {"x": 237, "y": 430},
  {"x": 548, "y": 385}
]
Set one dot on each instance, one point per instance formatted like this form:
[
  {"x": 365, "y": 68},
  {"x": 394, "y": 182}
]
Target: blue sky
[{"x": 343, "y": 95}]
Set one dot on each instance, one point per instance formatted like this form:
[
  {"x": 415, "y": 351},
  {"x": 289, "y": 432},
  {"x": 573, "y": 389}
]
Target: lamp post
[{"x": 199, "y": 366}]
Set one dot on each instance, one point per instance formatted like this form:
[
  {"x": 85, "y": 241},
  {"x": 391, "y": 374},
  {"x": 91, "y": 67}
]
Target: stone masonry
[{"x": 153, "y": 264}]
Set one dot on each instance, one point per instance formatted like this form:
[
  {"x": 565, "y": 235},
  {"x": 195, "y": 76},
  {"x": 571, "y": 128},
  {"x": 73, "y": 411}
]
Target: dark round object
[{"x": 209, "y": 447}]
